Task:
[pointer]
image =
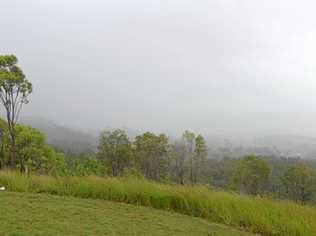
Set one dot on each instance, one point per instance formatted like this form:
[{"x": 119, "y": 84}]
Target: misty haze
[
  {"x": 218, "y": 93},
  {"x": 167, "y": 66}
]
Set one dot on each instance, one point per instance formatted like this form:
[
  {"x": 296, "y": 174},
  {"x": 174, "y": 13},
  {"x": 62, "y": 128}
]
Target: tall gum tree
[{"x": 14, "y": 91}]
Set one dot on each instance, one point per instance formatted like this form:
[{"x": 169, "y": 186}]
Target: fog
[{"x": 220, "y": 67}]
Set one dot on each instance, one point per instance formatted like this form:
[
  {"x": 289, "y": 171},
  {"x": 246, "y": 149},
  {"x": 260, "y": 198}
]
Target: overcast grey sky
[{"x": 168, "y": 65}]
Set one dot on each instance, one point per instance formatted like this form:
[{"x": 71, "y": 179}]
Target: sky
[{"x": 218, "y": 67}]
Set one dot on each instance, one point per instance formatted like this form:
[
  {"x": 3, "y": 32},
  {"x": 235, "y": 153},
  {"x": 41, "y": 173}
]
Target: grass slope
[
  {"x": 255, "y": 214},
  {"x": 39, "y": 214}
]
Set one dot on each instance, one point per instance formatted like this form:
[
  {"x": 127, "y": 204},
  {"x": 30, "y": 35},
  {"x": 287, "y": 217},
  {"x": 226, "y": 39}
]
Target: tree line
[{"x": 185, "y": 161}]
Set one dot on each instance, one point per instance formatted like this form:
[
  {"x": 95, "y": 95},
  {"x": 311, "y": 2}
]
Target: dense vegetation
[
  {"x": 156, "y": 158},
  {"x": 185, "y": 161}
]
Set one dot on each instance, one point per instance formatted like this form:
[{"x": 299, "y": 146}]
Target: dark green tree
[
  {"x": 151, "y": 154},
  {"x": 299, "y": 182},
  {"x": 115, "y": 151},
  {"x": 33, "y": 154},
  {"x": 251, "y": 175}
]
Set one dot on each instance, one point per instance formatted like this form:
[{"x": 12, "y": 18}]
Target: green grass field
[
  {"x": 254, "y": 214},
  {"x": 42, "y": 214}
]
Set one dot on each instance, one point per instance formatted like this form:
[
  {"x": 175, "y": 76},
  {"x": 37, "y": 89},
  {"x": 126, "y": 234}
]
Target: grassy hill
[
  {"x": 260, "y": 215},
  {"x": 41, "y": 214}
]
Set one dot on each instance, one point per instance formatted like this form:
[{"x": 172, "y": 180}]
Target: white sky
[{"x": 212, "y": 66}]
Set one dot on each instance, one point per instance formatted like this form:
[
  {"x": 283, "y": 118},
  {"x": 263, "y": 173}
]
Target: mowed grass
[
  {"x": 254, "y": 214},
  {"x": 42, "y": 214}
]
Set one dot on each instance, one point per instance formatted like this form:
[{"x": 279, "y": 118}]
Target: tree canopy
[
  {"x": 251, "y": 175},
  {"x": 299, "y": 182}
]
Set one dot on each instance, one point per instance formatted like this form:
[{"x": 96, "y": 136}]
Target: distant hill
[
  {"x": 70, "y": 140},
  {"x": 77, "y": 141},
  {"x": 63, "y": 138}
]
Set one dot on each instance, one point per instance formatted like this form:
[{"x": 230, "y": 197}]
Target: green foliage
[
  {"x": 255, "y": 214},
  {"x": 3, "y": 126},
  {"x": 199, "y": 158},
  {"x": 32, "y": 152},
  {"x": 189, "y": 140},
  {"x": 14, "y": 91},
  {"x": 88, "y": 165},
  {"x": 251, "y": 175},
  {"x": 299, "y": 182},
  {"x": 115, "y": 151},
  {"x": 151, "y": 155},
  {"x": 221, "y": 172},
  {"x": 177, "y": 157},
  {"x": 132, "y": 173},
  {"x": 12, "y": 77}
]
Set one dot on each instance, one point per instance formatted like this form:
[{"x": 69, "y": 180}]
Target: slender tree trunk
[
  {"x": 13, "y": 149},
  {"x": 21, "y": 167},
  {"x": 191, "y": 170}
]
